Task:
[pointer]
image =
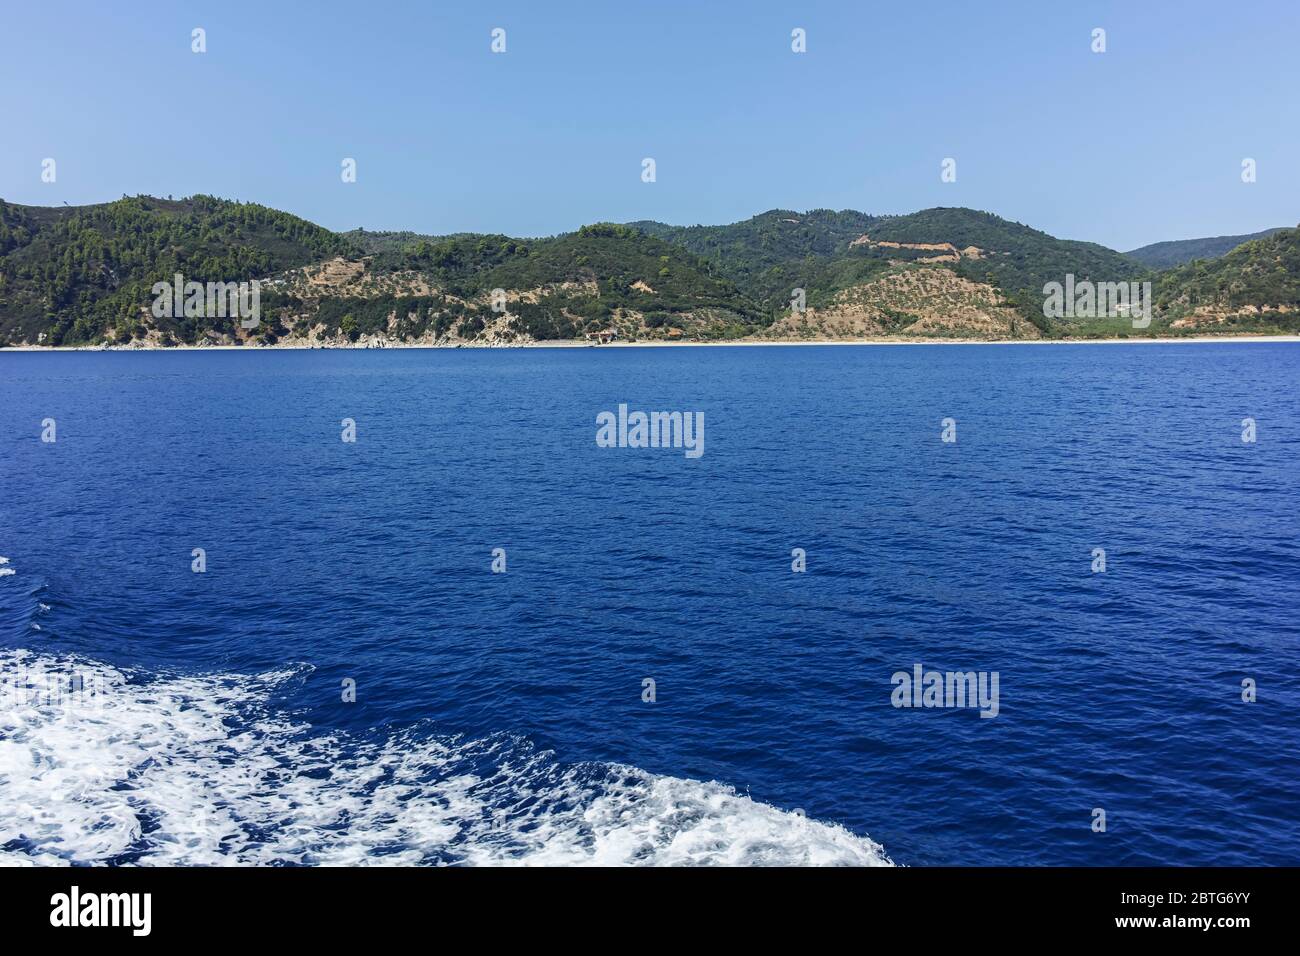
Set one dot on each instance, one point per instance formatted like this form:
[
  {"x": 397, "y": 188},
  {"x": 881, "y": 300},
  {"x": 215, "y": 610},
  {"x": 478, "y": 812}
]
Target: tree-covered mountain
[
  {"x": 1255, "y": 287},
  {"x": 562, "y": 287},
  {"x": 79, "y": 274},
  {"x": 1012, "y": 257},
  {"x": 825, "y": 252},
  {"x": 76, "y": 275},
  {"x": 1165, "y": 255},
  {"x": 764, "y": 255},
  {"x": 84, "y": 275}
]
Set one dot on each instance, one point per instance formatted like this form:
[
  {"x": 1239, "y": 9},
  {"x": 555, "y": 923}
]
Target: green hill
[
  {"x": 84, "y": 275},
  {"x": 1165, "y": 255},
  {"x": 768, "y": 253},
  {"x": 1014, "y": 258},
  {"x": 1255, "y": 287},
  {"x": 79, "y": 274},
  {"x": 561, "y": 287},
  {"x": 824, "y": 252}
]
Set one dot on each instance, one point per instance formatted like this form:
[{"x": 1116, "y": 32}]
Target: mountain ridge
[
  {"x": 1176, "y": 252},
  {"x": 83, "y": 275}
]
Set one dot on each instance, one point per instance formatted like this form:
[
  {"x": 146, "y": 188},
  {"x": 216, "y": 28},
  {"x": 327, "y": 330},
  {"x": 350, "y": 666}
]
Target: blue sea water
[{"x": 499, "y": 717}]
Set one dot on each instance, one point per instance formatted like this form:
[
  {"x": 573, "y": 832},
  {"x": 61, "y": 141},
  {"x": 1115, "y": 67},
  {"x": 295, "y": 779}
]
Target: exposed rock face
[
  {"x": 916, "y": 301},
  {"x": 588, "y": 287},
  {"x": 343, "y": 277},
  {"x": 1209, "y": 318},
  {"x": 333, "y": 275},
  {"x": 947, "y": 251}
]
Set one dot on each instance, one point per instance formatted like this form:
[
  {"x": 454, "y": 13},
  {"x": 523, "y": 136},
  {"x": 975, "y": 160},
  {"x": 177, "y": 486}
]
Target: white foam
[{"x": 197, "y": 770}]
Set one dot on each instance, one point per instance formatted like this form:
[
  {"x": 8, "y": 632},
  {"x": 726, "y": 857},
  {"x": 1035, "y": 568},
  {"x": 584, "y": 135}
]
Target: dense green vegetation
[
  {"x": 556, "y": 288},
  {"x": 582, "y": 278},
  {"x": 372, "y": 242},
  {"x": 82, "y": 274},
  {"x": 1260, "y": 273},
  {"x": 1165, "y": 255},
  {"x": 1018, "y": 260},
  {"x": 355, "y": 316},
  {"x": 771, "y": 254},
  {"x": 458, "y": 264}
]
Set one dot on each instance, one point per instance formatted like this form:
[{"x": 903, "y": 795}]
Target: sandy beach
[{"x": 573, "y": 344}]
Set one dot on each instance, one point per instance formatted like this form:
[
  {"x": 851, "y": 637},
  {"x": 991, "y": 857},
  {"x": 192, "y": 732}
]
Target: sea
[{"x": 406, "y": 607}]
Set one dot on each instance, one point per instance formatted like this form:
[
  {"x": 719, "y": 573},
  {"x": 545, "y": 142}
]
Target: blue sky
[{"x": 1141, "y": 143}]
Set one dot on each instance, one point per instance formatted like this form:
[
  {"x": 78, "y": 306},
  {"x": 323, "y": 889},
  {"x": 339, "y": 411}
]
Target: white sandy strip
[{"x": 574, "y": 344}]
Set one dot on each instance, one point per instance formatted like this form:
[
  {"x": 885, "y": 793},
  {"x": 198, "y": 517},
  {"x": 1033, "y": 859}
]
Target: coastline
[{"x": 575, "y": 344}]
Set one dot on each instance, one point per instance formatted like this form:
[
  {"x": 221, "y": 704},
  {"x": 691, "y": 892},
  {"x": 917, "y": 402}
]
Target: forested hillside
[
  {"x": 84, "y": 275},
  {"x": 826, "y": 252},
  {"x": 1165, "y": 255},
  {"x": 599, "y": 277},
  {"x": 79, "y": 274},
  {"x": 1255, "y": 287}
]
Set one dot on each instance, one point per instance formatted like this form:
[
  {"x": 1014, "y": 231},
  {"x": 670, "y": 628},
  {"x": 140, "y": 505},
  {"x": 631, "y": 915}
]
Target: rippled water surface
[{"x": 499, "y": 717}]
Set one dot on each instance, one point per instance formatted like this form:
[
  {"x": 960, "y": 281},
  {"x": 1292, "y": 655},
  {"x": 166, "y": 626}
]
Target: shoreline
[{"x": 574, "y": 344}]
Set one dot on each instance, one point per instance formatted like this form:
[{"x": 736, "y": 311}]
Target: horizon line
[{"x": 554, "y": 235}]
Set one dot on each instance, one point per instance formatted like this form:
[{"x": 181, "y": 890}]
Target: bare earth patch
[{"x": 919, "y": 301}]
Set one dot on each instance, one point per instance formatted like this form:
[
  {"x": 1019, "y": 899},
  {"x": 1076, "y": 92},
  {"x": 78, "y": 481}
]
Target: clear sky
[{"x": 1141, "y": 143}]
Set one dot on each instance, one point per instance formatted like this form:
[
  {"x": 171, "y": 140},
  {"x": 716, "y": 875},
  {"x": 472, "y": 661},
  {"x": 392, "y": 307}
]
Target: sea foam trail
[{"x": 200, "y": 770}]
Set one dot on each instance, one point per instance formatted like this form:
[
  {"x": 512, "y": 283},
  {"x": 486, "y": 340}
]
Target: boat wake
[{"x": 120, "y": 767}]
